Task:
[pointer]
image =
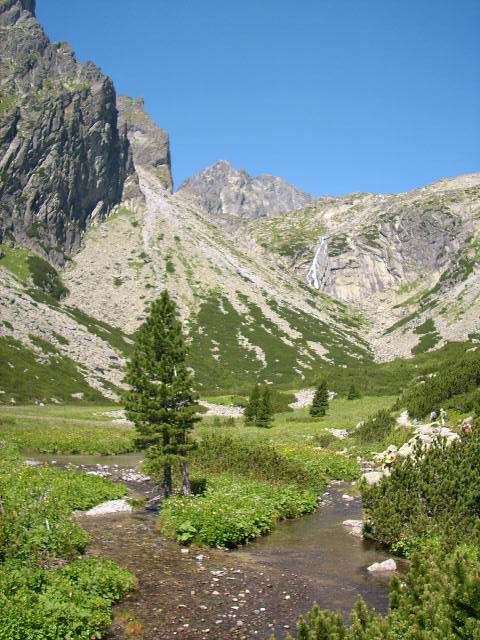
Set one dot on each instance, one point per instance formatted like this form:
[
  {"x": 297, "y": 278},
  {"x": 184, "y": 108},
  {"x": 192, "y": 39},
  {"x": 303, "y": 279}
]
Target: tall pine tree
[
  {"x": 251, "y": 410},
  {"x": 320, "y": 400},
  {"x": 161, "y": 402},
  {"x": 265, "y": 409},
  {"x": 352, "y": 393}
]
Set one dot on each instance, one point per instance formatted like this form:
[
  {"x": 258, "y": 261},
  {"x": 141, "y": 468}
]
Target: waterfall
[{"x": 319, "y": 271}]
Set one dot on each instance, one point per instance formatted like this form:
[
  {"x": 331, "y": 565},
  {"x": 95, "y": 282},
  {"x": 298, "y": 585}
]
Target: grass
[
  {"x": 16, "y": 261},
  {"x": 64, "y": 429},
  {"x": 300, "y": 428}
]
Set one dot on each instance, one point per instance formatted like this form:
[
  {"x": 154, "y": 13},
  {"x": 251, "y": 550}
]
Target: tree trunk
[
  {"x": 167, "y": 479},
  {"x": 187, "y": 490}
]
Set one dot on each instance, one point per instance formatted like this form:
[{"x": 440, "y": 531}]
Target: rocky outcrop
[
  {"x": 149, "y": 143},
  {"x": 221, "y": 189},
  {"x": 63, "y": 160}
]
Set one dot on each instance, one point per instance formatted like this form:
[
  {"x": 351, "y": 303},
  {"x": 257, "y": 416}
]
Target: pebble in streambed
[{"x": 199, "y": 594}]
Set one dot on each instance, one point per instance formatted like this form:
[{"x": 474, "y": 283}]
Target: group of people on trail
[
  {"x": 466, "y": 426},
  {"x": 434, "y": 416}
]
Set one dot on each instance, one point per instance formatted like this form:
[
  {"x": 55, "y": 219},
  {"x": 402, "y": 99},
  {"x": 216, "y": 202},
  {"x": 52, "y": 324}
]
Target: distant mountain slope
[
  {"x": 48, "y": 347},
  {"x": 403, "y": 259},
  {"x": 227, "y": 193},
  {"x": 246, "y": 319},
  {"x": 63, "y": 160}
]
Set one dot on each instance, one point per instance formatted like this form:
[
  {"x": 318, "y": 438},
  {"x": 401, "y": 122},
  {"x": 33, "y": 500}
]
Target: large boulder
[
  {"x": 372, "y": 477},
  {"x": 386, "y": 565}
]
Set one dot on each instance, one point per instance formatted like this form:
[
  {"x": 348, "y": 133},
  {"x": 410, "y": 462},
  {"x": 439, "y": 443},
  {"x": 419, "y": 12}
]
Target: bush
[
  {"x": 439, "y": 599},
  {"x": 456, "y": 377},
  {"x": 280, "y": 401},
  {"x": 46, "y": 278},
  {"x": 324, "y": 439},
  {"x": 36, "y": 528},
  {"x": 304, "y": 466},
  {"x": 198, "y": 485},
  {"x": 232, "y": 511},
  {"x": 72, "y": 602},
  {"x": 431, "y": 493},
  {"x": 37, "y": 504},
  {"x": 352, "y": 393},
  {"x": 375, "y": 428},
  {"x": 428, "y": 507}
]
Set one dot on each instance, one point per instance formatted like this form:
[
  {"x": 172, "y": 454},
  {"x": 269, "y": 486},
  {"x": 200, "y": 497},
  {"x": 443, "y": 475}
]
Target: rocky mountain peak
[
  {"x": 11, "y": 10},
  {"x": 223, "y": 190},
  {"x": 150, "y": 144},
  {"x": 63, "y": 161}
]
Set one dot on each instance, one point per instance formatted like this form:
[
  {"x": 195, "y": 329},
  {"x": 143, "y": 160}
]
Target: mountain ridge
[{"x": 271, "y": 284}]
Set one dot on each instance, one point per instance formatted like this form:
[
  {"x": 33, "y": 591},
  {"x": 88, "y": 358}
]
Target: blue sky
[{"x": 333, "y": 95}]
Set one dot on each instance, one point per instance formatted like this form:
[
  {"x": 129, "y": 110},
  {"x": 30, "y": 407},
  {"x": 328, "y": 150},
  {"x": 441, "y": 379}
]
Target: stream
[{"x": 250, "y": 592}]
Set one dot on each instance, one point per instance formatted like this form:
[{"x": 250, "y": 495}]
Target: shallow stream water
[{"x": 250, "y": 592}]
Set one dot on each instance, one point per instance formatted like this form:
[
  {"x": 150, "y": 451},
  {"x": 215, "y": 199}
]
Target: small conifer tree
[
  {"x": 320, "y": 400},
  {"x": 161, "y": 401},
  {"x": 251, "y": 410},
  {"x": 352, "y": 393},
  {"x": 265, "y": 409}
]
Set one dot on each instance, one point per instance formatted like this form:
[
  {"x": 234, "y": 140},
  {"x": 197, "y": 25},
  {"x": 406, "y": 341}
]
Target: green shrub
[
  {"x": 198, "y": 485},
  {"x": 280, "y": 401},
  {"x": 306, "y": 467},
  {"x": 439, "y": 599},
  {"x": 456, "y": 377},
  {"x": 36, "y": 529},
  {"x": 324, "y": 439},
  {"x": 352, "y": 393},
  {"x": 428, "y": 508},
  {"x": 37, "y": 504},
  {"x": 72, "y": 602},
  {"x": 375, "y": 428},
  {"x": 431, "y": 493},
  {"x": 232, "y": 511},
  {"x": 46, "y": 278}
]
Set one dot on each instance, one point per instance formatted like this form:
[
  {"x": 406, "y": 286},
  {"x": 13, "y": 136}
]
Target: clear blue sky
[{"x": 333, "y": 95}]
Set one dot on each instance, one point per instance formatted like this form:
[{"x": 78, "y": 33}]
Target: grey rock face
[
  {"x": 149, "y": 143},
  {"x": 221, "y": 189},
  {"x": 63, "y": 160}
]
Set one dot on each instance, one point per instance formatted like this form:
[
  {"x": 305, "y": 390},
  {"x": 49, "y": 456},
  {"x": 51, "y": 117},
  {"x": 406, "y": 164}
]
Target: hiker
[
  {"x": 467, "y": 425},
  {"x": 388, "y": 461},
  {"x": 433, "y": 415},
  {"x": 443, "y": 416}
]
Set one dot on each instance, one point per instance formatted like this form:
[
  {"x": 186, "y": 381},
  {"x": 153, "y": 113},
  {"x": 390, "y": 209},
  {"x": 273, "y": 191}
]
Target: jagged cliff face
[
  {"x": 227, "y": 193},
  {"x": 63, "y": 160},
  {"x": 149, "y": 143}
]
